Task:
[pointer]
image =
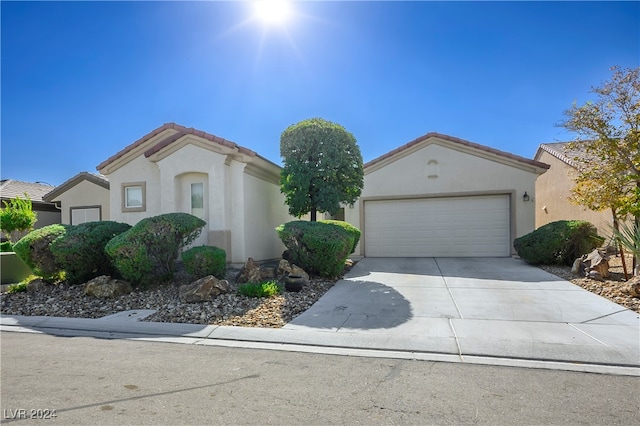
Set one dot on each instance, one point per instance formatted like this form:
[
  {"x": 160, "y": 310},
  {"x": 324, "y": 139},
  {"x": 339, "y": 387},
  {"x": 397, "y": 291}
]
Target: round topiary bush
[
  {"x": 81, "y": 250},
  {"x": 558, "y": 243},
  {"x": 147, "y": 252},
  {"x": 205, "y": 260},
  {"x": 35, "y": 250},
  {"x": 355, "y": 232},
  {"x": 317, "y": 247}
]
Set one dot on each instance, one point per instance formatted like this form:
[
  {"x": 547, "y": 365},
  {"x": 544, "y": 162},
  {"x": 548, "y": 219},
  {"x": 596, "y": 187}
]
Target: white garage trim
[{"x": 464, "y": 226}]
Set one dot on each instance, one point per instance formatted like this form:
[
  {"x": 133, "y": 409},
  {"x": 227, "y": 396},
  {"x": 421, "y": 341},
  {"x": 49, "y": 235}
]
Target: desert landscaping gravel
[{"x": 232, "y": 308}]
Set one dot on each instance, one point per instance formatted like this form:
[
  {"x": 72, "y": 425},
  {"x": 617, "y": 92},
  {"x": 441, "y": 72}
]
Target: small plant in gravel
[
  {"x": 21, "y": 287},
  {"x": 264, "y": 289}
]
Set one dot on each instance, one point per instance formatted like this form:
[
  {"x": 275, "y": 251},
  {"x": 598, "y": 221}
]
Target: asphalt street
[{"x": 85, "y": 380}]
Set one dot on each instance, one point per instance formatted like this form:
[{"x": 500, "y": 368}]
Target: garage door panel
[{"x": 438, "y": 227}]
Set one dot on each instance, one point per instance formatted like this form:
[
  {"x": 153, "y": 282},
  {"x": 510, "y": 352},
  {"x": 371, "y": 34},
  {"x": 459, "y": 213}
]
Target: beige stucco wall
[
  {"x": 553, "y": 190},
  {"x": 84, "y": 194},
  {"x": 444, "y": 169},
  {"x": 241, "y": 210},
  {"x": 265, "y": 209}
]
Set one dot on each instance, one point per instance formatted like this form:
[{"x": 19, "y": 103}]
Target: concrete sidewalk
[{"x": 483, "y": 311}]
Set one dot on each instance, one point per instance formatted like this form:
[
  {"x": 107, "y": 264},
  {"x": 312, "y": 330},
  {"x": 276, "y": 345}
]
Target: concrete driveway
[{"x": 494, "y": 307}]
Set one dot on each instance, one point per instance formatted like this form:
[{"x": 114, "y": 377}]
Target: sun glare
[{"x": 272, "y": 12}]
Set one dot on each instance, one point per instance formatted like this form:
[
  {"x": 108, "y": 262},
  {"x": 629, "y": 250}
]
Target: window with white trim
[{"x": 197, "y": 200}]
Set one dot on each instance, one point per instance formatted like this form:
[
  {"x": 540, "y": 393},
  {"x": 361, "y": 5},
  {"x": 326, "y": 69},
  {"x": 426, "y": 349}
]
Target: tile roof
[
  {"x": 460, "y": 142},
  {"x": 10, "y": 188},
  {"x": 562, "y": 152},
  {"x": 182, "y": 131},
  {"x": 91, "y": 177}
]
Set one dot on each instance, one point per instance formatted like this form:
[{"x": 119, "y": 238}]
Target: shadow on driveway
[{"x": 356, "y": 304}]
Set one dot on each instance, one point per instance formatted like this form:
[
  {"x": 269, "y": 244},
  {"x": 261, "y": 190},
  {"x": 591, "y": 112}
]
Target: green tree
[
  {"x": 608, "y": 132},
  {"x": 322, "y": 167},
  {"x": 17, "y": 216}
]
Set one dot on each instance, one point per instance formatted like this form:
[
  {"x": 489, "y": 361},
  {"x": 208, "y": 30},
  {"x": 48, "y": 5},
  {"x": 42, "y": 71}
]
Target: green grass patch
[{"x": 264, "y": 289}]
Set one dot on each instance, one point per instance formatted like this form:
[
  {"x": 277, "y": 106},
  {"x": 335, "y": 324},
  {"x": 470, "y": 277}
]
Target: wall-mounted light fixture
[{"x": 525, "y": 197}]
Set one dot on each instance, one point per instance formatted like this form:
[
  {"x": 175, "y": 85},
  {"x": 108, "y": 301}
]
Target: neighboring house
[
  {"x": 179, "y": 169},
  {"x": 553, "y": 190},
  {"x": 440, "y": 196},
  {"x": 83, "y": 198},
  {"x": 47, "y": 213}
]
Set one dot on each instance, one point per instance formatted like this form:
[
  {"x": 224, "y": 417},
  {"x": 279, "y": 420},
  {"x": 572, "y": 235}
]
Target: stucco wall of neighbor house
[
  {"x": 553, "y": 190},
  {"x": 84, "y": 194},
  {"x": 439, "y": 169}
]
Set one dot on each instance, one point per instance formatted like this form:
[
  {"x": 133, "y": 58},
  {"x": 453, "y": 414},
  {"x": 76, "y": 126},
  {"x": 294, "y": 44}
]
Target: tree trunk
[{"x": 313, "y": 215}]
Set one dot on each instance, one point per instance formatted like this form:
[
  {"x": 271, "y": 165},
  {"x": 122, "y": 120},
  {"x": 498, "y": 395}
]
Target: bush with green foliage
[
  {"x": 265, "y": 289},
  {"x": 558, "y": 243},
  {"x": 205, "y": 260},
  {"x": 355, "y": 232},
  {"x": 17, "y": 216},
  {"x": 6, "y": 247},
  {"x": 81, "y": 253},
  {"x": 35, "y": 250},
  {"x": 318, "y": 248},
  {"x": 147, "y": 252}
]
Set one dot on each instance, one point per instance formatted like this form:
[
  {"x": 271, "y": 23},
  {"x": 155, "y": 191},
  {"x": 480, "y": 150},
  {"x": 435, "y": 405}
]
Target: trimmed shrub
[
  {"x": 355, "y": 232},
  {"x": 318, "y": 248},
  {"x": 558, "y": 243},
  {"x": 35, "y": 250},
  {"x": 147, "y": 252},
  {"x": 205, "y": 260},
  {"x": 6, "y": 247},
  {"x": 81, "y": 253},
  {"x": 265, "y": 289}
]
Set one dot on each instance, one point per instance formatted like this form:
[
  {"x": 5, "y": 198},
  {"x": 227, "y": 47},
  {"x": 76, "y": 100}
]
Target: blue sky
[{"x": 81, "y": 80}]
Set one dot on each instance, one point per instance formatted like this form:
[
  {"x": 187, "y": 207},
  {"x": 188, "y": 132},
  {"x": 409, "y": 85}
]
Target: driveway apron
[{"x": 495, "y": 307}]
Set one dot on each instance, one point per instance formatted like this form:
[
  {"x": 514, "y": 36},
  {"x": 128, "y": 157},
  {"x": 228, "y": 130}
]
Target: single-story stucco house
[
  {"x": 47, "y": 213},
  {"x": 179, "y": 169},
  {"x": 440, "y": 196},
  {"x": 83, "y": 198},
  {"x": 553, "y": 189},
  {"x": 435, "y": 196}
]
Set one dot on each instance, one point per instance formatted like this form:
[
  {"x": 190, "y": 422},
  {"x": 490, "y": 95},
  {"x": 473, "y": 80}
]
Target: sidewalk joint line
[
  {"x": 604, "y": 316},
  {"x": 455, "y": 336},
  {"x": 587, "y": 334},
  {"x": 444, "y": 280}
]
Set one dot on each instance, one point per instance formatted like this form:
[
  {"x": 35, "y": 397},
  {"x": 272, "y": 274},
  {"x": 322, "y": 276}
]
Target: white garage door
[{"x": 438, "y": 227}]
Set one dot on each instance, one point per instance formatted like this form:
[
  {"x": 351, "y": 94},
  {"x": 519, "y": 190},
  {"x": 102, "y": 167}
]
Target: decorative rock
[
  {"x": 285, "y": 269},
  {"x": 595, "y": 275},
  {"x": 203, "y": 290},
  {"x": 296, "y": 270},
  {"x": 250, "y": 273},
  {"x": 633, "y": 286},
  {"x": 36, "y": 286},
  {"x": 597, "y": 261},
  {"x": 105, "y": 287},
  {"x": 578, "y": 267}
]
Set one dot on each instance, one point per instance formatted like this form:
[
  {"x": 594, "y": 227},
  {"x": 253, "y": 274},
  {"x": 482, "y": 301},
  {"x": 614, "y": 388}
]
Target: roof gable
[
  {"x": 563, "y": 152},
  {"x": 165, "y": 140},
  {"x": 10, "y": 188},
  {"x": 457, "y": 144},
  {"x": 80, "y": 177}
]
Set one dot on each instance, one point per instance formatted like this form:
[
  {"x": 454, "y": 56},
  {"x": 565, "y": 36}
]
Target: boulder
[
  {"x": 578, "y": 267},
  {"x": 633, "y": 286},
  {"x": 594, "y": 265},
  {"x": 203, "y": 290},
  {"x": 105, "y": 287},
  {"x": 285, "y": 269},
  {"x": 36, "y": 286},
  {"x": 250, "y": 273}
]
